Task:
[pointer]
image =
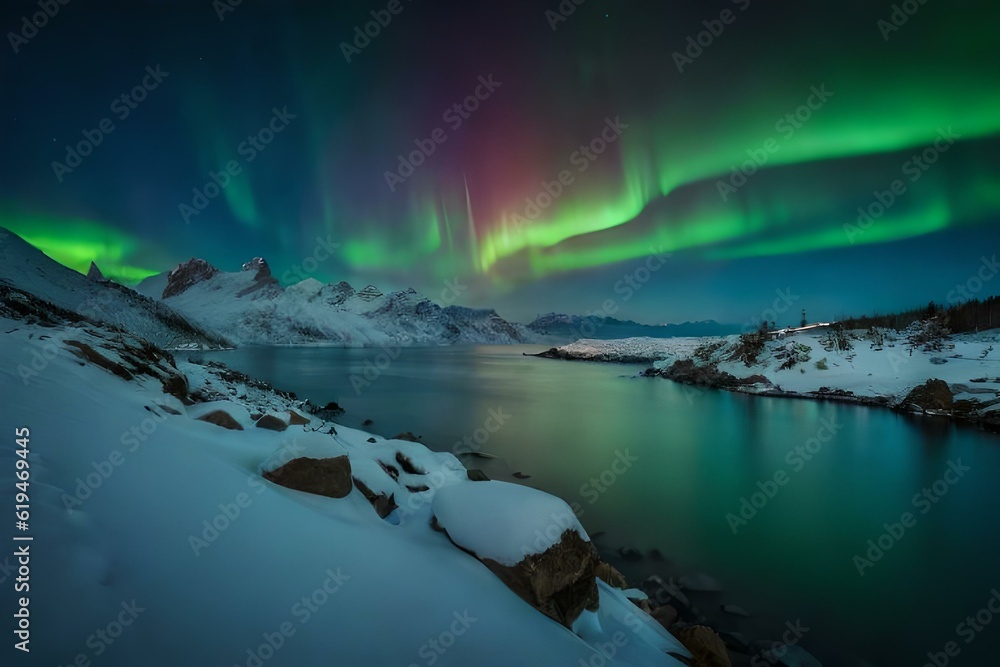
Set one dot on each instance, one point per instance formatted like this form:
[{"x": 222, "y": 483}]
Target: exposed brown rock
[
  {"x": 295, "y": 419},
  {"x": 383, "y": 504},
  {"x": 223, "y": 419},
  {"x": 666, "y": 615},
  {"x": 187, "y": 274},
  {"x": 707, "y": 648},
  {"x": 87, "y": 353},
  {"x": 407, "y": 464},
  {"x": 560, "y": 582},
  {"x": 271, "y": 423},
  {"x": 176, "y": 386},
  {"x": 611, "y": 576},
  {"x": 405, "y": 435},
  {"x": 324, "y": 477},
  {"x": 477, "y": 475},
  {"x": 931, "y": 395}
]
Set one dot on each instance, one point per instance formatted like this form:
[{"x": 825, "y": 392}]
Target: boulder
[
  {"x": 324, "y": 477},
  {"x": 665, "y": 615},
  {"x": 531, "y": 540},
  {"x": 611, "y": 576},
  {"x": 177, "y": 386},
  {"x": 223, "y": 419},
  {"x": 707, "y": 648},
  {"x": 933, "y": 395},
  {"x": 559, "y": 582},
  {"x": 328, "y": 412},
  {"x": 477, "y": 475},
  {"x": 295, "y": 419},
  {"x": 383, "y": 504},
  {"x": 271, "y": 423},
  {"x": 405, "y": 435}
]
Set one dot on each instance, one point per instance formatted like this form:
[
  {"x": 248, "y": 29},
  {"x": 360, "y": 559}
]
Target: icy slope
[
  {"x": 157, "y": 541},
  {"x": 26, "y": 268}
]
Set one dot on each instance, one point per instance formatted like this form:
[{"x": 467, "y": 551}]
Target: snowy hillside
[
  {"x": 159, "y": 538},
  {"x": 249, "y": 306},
  {"x": 24, "y": 267},
  {"x": 882, "y": 367}
]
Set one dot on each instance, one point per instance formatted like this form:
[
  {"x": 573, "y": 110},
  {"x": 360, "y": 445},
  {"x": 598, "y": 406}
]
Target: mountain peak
[
  {"x": 257, "y": 264},
  {"x": 187, "y": 274},
  {"x": 95, "y": 274}
]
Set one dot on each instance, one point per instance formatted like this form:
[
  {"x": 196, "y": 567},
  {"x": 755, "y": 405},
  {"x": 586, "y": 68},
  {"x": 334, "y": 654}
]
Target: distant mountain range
[
  {"x": 251, "y": 307},
  {"x": 198, "y": 306},
  {"x": 573, "y": 327}
]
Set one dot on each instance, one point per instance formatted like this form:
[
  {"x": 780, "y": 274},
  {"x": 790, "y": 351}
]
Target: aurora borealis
[{"x": 747, "y": 143}]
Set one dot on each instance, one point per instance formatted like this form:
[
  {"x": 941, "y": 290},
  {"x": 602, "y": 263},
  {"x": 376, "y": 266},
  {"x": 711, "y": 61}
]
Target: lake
[{"x": 654, "y": 464}]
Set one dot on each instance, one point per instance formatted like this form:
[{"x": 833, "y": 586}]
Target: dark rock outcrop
[
  {"x": 223, "y": 419},
  {"x": 708, "y": 375},
  {"x": 707, "y": 648},
  {"x": 933, "y": 395},
  {"x": 383, "y": 504},
  {"x": 271, "y": 423},
  {"x": 187, "y": 274},
  {"x": 559, "y": 582},
  {"x": 324, "y": 477}
]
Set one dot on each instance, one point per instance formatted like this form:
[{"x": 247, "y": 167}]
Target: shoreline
[{"x": 926, "y": 395}]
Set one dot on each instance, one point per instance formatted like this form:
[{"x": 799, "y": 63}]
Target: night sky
[{"x": 820, "y": 107}]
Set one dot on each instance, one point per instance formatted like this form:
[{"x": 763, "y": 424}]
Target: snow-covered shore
[
  {"x": 879, "y": 369},
  {"x": 144, "y": 499}
]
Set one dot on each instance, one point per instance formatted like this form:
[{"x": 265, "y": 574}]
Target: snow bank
[{"x": 502, "y": 521}]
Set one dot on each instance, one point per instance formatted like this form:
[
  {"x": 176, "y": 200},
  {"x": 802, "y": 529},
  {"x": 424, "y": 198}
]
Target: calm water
[{"x": 696, "y": 454}]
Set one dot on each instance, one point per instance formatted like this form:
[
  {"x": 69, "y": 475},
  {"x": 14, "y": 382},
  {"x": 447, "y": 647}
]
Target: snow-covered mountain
[
  {"x": 574, "y": 327},
  {"x": 250, "y": 306},
  {"x": 25, "y": 268}
]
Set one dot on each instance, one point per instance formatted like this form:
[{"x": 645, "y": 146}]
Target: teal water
[{"x": 686, "y": 458}]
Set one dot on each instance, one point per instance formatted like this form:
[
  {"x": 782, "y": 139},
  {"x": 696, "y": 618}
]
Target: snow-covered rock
[{"x": 531, "y": 540}]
